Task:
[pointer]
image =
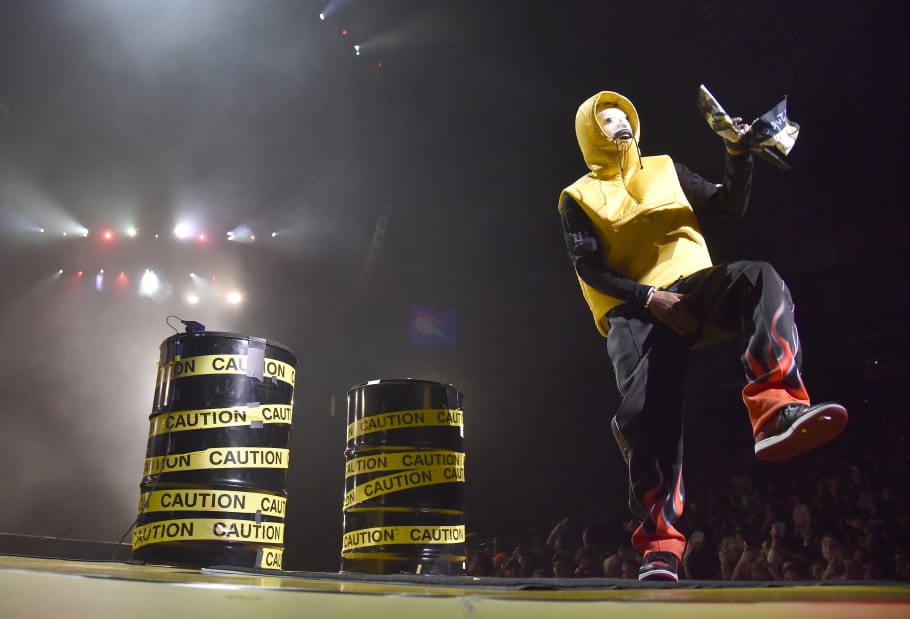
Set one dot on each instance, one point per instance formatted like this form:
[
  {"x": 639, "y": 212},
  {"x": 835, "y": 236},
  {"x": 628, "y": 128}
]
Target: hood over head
[{"x": 602, "y": 154}]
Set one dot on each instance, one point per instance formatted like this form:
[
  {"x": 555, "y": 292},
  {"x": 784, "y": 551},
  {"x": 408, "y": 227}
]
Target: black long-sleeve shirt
[{"x": 584, "y": 245}]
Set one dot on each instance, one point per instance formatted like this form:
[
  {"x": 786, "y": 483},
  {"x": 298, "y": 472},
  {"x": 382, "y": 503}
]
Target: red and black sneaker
[
  {"x": 797, "y": 428},
  {"x": 659, "y": 566}
]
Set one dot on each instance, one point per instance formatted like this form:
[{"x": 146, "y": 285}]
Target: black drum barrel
[
  {"x": 404, "y": 479},
  {"x": 213, "y": 486}
]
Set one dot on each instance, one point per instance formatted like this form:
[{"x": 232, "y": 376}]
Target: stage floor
[{"x": 45, "y": 588}]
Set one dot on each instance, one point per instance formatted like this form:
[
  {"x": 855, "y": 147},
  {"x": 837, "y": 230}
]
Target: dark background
[{"x": 430, "y": 180}]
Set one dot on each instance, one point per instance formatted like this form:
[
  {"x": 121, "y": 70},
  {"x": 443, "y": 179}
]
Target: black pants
[{"x": 746, "y": 299}]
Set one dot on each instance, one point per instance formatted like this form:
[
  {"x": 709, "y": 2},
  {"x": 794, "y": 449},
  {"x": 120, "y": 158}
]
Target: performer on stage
[{"x": 644, "y": 269}]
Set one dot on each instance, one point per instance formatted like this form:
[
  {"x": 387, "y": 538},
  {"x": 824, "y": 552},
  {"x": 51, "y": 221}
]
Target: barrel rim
[
  {"x": 230, "y": 335},
  {"x": 402, "y": 381}
]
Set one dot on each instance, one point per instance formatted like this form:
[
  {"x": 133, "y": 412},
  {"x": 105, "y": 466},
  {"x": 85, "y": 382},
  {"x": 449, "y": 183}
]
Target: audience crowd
[{"x": 835, "y": 520}]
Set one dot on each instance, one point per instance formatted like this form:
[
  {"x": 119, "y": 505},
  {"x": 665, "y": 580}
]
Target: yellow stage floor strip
[{"x": 48, "y": 588}]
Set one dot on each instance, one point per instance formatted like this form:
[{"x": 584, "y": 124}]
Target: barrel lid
[
  {"x": 402, "y": 381},
  {"x": 228, "y": 335}
]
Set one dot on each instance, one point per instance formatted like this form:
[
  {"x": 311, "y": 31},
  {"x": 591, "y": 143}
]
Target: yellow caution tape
[
  {"x": 209, "y": 418},
  {"x": 269, "y": 558},
  {"x": 222, "y": 364},
  {"x": 397, "y": 461},
  {"x": 210, "y": 500},
  {"x": 406, "y": 419},
  {"x": 398, "y": 556},
  {"x": 208, "y": 530},
  {"x": 218, "y": 458},
  {"x": 383, "y": 536},
  {"x": 404, "y": 480}
]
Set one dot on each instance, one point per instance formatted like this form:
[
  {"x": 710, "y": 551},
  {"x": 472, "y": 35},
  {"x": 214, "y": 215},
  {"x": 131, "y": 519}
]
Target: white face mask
[{"x": 615, "y": 123}]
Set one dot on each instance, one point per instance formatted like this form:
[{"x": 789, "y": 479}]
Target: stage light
[
  {"x": 41, "y": 229},
  {"x": 85, "y": 232},
  {"x": 131, "y": 232},
  {"x": 274, "y": 234},
  {"x": 322, "y": 16},
  {"x": 200, "y": 283},
  {"x": 202, "y": 237},
  {"x": 156, "y": 235},
  {"x": 149, "y": 284},
  {"x": 234, "y": 298},
  {"x": 356, "y": 50},
  {"x": 99, "y": 280},
  {"x": 108, "y": 235},
  {"x": 58, "y": 273},
  {"x": 241, "y": 233},
  {"x": 79, "y": 274},
  {"x": 252, "y": 237},
  {"x": 344, "y": 32},
  {"x": 181, "y": 231},
  {"x": 64, "y": 234},
  {"x": 192, "y": 299}
]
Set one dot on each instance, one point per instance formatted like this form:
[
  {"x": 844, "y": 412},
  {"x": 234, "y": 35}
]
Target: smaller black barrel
[
  {"x": 213, "y": 486},
  {"x": 404, "y": 479}
]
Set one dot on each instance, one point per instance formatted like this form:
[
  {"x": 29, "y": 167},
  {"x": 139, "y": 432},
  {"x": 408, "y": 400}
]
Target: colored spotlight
[
  {"x": 202, "y": 237},
  {"x": 99, "y": 280},
  {"x": 108, "y": 235}
]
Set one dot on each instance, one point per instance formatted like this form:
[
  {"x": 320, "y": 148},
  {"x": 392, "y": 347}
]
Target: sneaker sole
[
  {"x": 665, "y": 575},
  {"x": 808, "y": 432}
]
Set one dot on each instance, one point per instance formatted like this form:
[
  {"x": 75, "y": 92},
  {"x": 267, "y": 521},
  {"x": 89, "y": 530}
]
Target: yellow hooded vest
[{"x": 648, "y": 231}]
